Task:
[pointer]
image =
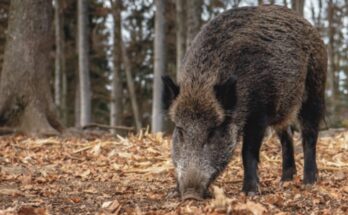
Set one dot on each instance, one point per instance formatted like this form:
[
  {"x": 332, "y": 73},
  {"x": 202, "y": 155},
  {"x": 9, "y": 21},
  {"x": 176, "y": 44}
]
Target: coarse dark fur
[{"x": 247, "y": 69}]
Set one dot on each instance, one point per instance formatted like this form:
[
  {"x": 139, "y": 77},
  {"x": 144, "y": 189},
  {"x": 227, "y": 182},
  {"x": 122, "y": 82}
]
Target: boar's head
[{"x": 204, "y": 134}]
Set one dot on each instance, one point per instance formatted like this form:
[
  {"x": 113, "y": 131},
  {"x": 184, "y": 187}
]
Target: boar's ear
[
  {"x": 170, "y": 91},
  {"x": 226, "y": 93}
]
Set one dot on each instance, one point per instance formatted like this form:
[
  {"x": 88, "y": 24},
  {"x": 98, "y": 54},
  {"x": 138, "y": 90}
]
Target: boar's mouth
[
  {"x": 194, "y": 185},
  {"x": 192, "y": 195},
  {"x": 198, "y": 192}
]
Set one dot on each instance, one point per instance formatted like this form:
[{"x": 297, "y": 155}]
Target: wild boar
[{"x": 247, "y": 69}]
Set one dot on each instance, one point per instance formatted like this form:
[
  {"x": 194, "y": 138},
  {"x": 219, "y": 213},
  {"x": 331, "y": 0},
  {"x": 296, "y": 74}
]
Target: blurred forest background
[{"x": 107, "y": 56}]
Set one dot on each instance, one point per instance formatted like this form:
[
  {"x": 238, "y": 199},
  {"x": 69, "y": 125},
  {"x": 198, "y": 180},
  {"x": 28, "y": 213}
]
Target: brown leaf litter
[{"x": 104, "y": 174}]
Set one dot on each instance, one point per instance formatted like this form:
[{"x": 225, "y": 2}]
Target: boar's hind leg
[
  {"x": 310, "y": 117},
  {"x": 252, "y": 139},
  {"x": 289, "y": 167}
]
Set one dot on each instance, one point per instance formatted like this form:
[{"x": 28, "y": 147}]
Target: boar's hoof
[
  {"x": 251, "y": 193},
  {"x": 288, "y": 174},
  {"x": 310, "y": 177},
  {"x": 308, "y": 186},
  {"x": 251, "y": 189}
]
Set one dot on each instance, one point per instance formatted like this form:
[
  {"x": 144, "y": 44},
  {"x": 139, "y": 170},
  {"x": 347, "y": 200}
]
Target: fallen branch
[
  {"x": 96, "y": 125},
  {"x": 6, "y": 131},
  {"x": 329, "y": 168}
]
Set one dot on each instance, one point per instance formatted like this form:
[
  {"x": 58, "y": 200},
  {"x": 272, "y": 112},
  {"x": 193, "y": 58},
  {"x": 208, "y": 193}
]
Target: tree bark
[
  {"x": 117, "y": 91},
  {"x": 320, "y": 9},
  {"x": 83, "y": 52},
  {"x": 131, "y": 88},
  {"x": 331, "y": 66},
  {"x": 64, "y": 78},
  {"x": 64, "y": 107},
  {"x": 57, "y": 71},
  {"x": 235, "y": 3},
  {"x": 4, "y": 12},
  {"x": 194, "y": 20},
  {"x": 160, "y": 66},
  {"x": 180, "y": 33},
  {"x": 77, "y": 109},
  {"x": 26, "y": 101},
  {"x": 285, "y": 3},
  {"x": 298, "y": 5}
]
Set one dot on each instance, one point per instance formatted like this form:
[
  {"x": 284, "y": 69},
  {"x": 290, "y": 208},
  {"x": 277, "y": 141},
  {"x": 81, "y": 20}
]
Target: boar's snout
[
  {"x": 193, "y": 184},
  {"x": 192, "y": 194}
]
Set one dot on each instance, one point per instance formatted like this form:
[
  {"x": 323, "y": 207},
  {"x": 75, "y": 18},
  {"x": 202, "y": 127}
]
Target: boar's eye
[
  {"x": 211, "y": 132},
  {"x": 180, "y": 131}
]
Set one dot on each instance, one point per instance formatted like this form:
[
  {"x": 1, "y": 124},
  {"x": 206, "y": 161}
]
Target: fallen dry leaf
[
  {"x": 27, "y": 210},
  {"x": 10, "y": 192},
  {"x": 9, "y": 211},
  {"x": 345, "y": 189},
  {"x": 110, "y": 208},
  {"x": 220, "y": 201},
  {"x": 254, "y": 208}
]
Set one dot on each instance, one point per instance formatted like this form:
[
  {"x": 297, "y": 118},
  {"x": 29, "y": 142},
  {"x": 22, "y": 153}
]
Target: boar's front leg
[{"x": 253, "y": 134}]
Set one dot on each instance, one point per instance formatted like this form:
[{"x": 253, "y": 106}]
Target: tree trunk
[
  {"x": 285, "y": 3},
  {"x": 331, "y": 66},
  {"x": 26, "y": 101},
  {"x": 64, "y": 107},
  {"x": 180, "y": 33},
  {"x": 160, "y": 66},
  {"x": 83, "y": 51},
  {"x": 131, "y": 88},
  {"x": 298, "y": 5},
  {"x": 194, "y": 21},
  {"x": 117, "y": 91},
  {"x": 60, "y": 53},
  {"x": 235, "y": 3},
  {"x": 77, "y": 109},
  {"x": 57, "y": 71},
  {"x": 319, "y": 15},
  {"x": 260, "y": 2},
  {"x": 4, "y": 12}
]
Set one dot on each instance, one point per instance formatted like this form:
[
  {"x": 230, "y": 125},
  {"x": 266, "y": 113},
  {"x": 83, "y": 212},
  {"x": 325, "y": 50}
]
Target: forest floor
[{"x": 104, "y": 174}]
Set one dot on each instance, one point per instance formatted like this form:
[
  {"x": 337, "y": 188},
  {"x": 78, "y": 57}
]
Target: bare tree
[
  {"x": 285, "y": 3},
  {"x": 57, "y": 72},
  {"x": 194, "y": 20},
  {"x": 83, "y": 50},
  {"x": 160, "y": 65},
  {"x": 131, "y": 88},
  {"x": 298, "y": 6},
  {"x": 60, "y": 80},
  {"x": 331, "y": 65},
  {"x": 77, "y": 104},
  {"x": 64, "y": 94},
  {"x": 116, "y": 92},
  {"x": 26, "y": 101},
  {"x": 320, "y": 11},
  {"x": 180, "y": 33},
  {"x": 236, "y": 3}
]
